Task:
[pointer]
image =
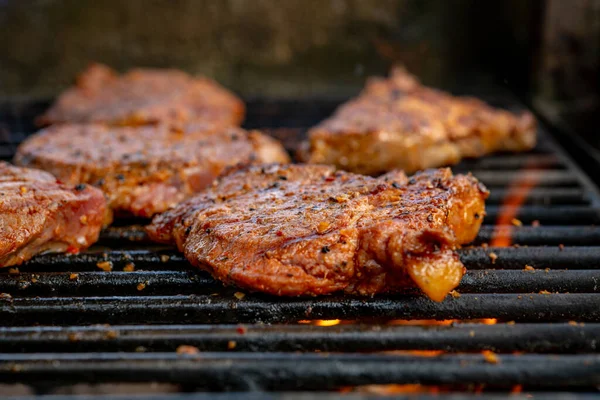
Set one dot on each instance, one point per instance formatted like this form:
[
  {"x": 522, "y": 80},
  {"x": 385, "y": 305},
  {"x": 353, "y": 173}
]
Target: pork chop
[
  {"x": 309, "y": 230},
  {"x": 144, "y": 96},
  {"x": 147, "y": 169},
  {"x": 38, "y": 214},
  {"x": 397, "y": 123}
]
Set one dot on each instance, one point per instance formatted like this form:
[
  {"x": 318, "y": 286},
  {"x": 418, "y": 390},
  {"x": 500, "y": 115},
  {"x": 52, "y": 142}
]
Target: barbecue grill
[{"x": 526, "y": 316}]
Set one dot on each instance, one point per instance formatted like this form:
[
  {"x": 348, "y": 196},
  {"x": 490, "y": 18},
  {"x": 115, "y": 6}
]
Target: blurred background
[{"x": 546, "y": 51}]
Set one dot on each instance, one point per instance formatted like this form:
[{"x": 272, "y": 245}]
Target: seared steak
[
  {"x": 309, "y": 230},
  {"x": 398, "y": 123},
  {"x": 144, "y": 170},
  {"x": 39, "y": 214},
  {"x": 144, "y": 96}
]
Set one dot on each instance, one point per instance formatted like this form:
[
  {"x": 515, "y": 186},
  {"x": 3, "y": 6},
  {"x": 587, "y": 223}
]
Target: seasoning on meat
[
  {"x": 144, "y": 170},
  {"x": 144, "y": 96},
  {"x": 379, "y": 240},
  {"x": 397, "y": 123},
  {"x": 46, "y": 216}
]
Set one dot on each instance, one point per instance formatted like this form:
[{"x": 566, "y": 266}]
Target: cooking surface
[{"x": 550, "y": 209}]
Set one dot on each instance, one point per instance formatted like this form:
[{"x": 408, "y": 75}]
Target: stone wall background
[{"x": 267, "y": 47}]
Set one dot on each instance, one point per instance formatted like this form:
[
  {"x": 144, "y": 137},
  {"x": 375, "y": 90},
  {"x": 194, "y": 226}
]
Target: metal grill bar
[
  {"x": 188, "y": 282},
  {"x": 542, "y": 196},
  {"x": 584, "y": 257},
  {"x": 275, "y": 371},
  {"x": 363, "y": 394},
  {"x": 554, "y": 338},
  {"x": 537, "y": 257},
  {"x": 556, "y": 215},
  {"x": 550, "y": 178},
  {"x": 546, "y": 236},
  {"x": 224, "y": 307}
]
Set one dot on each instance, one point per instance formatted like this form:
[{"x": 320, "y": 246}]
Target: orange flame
[
  {"x": 321, "y": 322},
  {"x": 515, "y": 197}
]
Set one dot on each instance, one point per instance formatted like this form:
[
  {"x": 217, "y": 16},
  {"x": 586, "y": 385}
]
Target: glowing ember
[{"x": 327, "y": 322}]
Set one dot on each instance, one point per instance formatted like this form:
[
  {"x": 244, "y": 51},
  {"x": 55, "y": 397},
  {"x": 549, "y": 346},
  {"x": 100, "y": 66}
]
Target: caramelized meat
[
  {"x": 309, "y": 230},
  {"x": 144, "y": 170},
  {"x": 398, "y": 123},
  {"x": 38, "y": 214},
  {"x": 144, "y": 96}
]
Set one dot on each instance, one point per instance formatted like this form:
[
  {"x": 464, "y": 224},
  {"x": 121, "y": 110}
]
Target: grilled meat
[
  {"x": 398, "y": 123},
  {"x": 309, "y": 230},
  {"x": 144, "y": 96},
  {"x": 144, "y": 170},
  {"x": 38, "y": 214}
]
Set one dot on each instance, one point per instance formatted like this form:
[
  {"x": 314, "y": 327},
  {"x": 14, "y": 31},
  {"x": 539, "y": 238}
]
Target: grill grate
[{"x": 180, "y": 306}]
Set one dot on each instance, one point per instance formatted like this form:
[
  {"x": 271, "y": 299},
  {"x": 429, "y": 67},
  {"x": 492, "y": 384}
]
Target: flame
[
  {"x": 421, "y": 322},
  {"x": 489, "y": 321},
  {"x": 394, "y": 389},
  {"x": 418, "y": 353},
  {"x": 326, "y": 322},
  {"x": 515, "y": 197}
]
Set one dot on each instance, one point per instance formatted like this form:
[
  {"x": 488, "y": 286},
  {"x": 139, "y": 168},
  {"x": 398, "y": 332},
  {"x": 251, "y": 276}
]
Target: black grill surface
[{"x": 65, "y": 322}]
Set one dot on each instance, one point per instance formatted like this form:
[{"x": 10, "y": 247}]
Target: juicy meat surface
[
  {"x": 144, "y": 96},
  {"x": 397, "y": 123},
  {"x": 38, "y": 214},
  {"x": 309, "y": 230},
  {"x": 144, "y": 170}
]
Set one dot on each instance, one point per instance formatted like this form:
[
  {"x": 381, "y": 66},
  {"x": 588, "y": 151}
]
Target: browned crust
[
  {"x": 39, "y": 214},
  {"x": 148, "y": 169},
  {"x": 144, "y": 96},
  {"x": 308, "y": 230},
  {"x": 397, "y": 123}
]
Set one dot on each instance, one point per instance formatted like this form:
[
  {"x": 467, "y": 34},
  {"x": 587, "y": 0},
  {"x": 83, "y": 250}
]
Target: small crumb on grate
[
  {"x": 74, "y": 337},
  {"x": 13, "y": 270},
  {"x": 544, "y": 292},
  {"x": 455, "y": 294},
  {"x": 5, "y": 296},
  {"x": 546, "y": 270},
  {"x": 510, "y": 323},
  {"x": 490, "y": 357},
  {"x": 493, "y": 256},
  {"x": 130, "y": 267},
  {"x": 16, "y": 368},
  {"x": 516, "y": 222},
  {"x": 239, "y": 295},
  {"x": 73, "y": 276},
  {"x": 561, "y": 247},
  {"x": 528, "y": 268},
  {"x": 106, "y": 266},
  {"x": 111, "y": 335},
  {"x": 164, "y": 258},
  {"x": 484, "y": 245},
  {"x": 535, "y": 223},
  {"x": 141, "y": 286},
  {"x": 573, "y": 323},
  {"x": 231, "y": 344},
  {"x": 187, "y": 349}
]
